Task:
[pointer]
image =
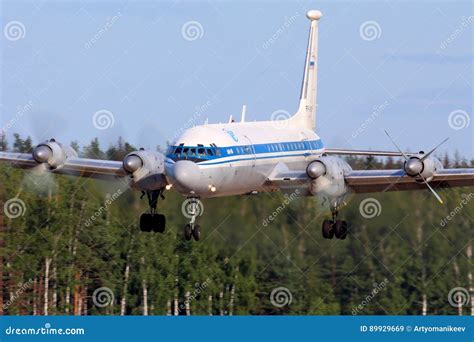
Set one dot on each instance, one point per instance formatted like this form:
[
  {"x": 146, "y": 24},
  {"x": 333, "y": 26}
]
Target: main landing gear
[
  {"x": 334, "y": 227},
  {"x": 153, "y": 221},
  {"x": 192, "y": 208}
]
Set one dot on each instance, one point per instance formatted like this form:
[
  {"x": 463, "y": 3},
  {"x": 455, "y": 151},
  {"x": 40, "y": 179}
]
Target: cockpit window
[{"x": 195, "y": 154}]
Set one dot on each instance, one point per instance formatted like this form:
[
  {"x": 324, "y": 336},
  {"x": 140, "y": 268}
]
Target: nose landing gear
[
  {"x": 192, "y": 208},
  {"x": 153, "y": 221}
]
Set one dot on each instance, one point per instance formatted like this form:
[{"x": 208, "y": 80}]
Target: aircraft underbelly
[{"x": 240, "y": 178}]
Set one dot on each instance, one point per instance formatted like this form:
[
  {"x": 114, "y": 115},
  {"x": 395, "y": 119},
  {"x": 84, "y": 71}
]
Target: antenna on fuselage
[{"x": 244, "y": 110}]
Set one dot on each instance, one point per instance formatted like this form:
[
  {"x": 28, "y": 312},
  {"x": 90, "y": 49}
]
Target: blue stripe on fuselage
[
  {"x": 248, "y": 150},
  {"x": 256, "y": 158}
]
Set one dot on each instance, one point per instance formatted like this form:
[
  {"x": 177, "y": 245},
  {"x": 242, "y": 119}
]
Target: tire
[
  {"x": 188, "y": 232},
  {"x": 146, "y": 223},
  {"x": 159, "y": 223},
  {"x": 328, "y": 230},
  {"x": 340, "y": 229},
  {"x": 197, "y": 232},
  {"x": 344, "y": 230}
]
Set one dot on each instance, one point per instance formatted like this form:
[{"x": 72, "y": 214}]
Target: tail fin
[{"x": 305, "y": 117}]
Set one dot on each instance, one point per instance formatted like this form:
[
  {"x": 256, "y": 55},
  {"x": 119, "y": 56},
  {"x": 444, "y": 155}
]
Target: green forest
[{"x": 56, "y": 260}]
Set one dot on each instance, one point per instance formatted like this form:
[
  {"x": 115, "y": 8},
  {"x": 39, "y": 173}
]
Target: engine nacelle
[
  {"x": 53, "y": 153},
  {"x": 146, "y": 169},
  {"x": 415, "y": 166},
  {"x": 327, "y": 174}
]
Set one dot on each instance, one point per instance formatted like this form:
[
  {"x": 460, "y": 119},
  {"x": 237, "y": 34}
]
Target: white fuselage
[{"x": 237, "y": 158}]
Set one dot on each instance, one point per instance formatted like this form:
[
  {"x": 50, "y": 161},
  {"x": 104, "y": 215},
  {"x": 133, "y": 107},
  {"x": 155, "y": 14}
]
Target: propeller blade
[
  {"x": 39, "y": 180},
  {"x": 431, "y": 189},
  {"x": 398, "y": 148},
  {"x": 430, "y": 152}
]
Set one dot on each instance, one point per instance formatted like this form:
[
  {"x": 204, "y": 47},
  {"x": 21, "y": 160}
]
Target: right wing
[{"x": 74, "y": 166}]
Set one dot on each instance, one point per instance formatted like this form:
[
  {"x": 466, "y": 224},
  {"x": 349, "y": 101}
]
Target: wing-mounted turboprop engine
[
  {"x": 421, "y": 166},
  {"x": 327, "y": 181},
  {"x": 146, "y": 169},
  {"x": 48, "y": 156},
  {"x": 53, "y": 154},
  {"x": 327, "y": 174}
]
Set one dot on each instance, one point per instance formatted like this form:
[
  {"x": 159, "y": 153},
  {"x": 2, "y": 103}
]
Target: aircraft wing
[
  {"x": 395, "y": 180},
  {"x": 366, "y": 181},
  {"x": 83, "y": 167},
  {"x": 346, "y": 152}
]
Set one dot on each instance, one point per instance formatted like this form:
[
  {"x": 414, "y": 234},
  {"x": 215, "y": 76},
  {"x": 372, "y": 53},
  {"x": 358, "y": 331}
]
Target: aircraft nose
[{"x": 187, "y": 175}]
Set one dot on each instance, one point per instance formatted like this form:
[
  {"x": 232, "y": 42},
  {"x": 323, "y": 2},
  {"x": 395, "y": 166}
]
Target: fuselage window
[
  {"x": 218, "y": 152},
  {"x": 201, "y": 152},
  {"x": 193, "y": 152},
  {"x": 185, "y": 150},
  {"x": 178, "y": 150},
  {"x": 209, "y": 152}
]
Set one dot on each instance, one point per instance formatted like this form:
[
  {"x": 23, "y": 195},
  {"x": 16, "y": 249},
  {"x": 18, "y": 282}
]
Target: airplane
[{"x": 239, "y": 158}]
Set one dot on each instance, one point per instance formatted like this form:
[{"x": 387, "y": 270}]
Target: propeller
[{"x": 414, "y": 166}]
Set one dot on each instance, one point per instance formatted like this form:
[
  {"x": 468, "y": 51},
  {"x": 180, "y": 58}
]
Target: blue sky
[{"x": 132, "y": 59}]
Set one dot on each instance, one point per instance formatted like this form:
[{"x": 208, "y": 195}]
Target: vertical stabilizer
[{"x": 305, "y": 117}]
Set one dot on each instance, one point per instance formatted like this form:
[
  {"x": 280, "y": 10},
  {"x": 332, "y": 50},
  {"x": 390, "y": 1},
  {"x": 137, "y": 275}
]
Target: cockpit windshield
[{"x": 192, "y": 153}]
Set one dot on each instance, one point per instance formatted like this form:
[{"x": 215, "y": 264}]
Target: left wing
[{"x": 364, "y": 181}]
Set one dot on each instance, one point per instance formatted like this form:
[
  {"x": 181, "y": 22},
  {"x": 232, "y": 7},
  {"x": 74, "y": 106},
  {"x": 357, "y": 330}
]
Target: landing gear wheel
[
  {"x": 188, "y": 232},
  {"x": 340, "y": 229},
  {"x": 159, "y": 223},
  {"x": 197, "y": 232},
  {"x": 146, "y": 224},
  {"x": 328, "y": 231}
]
